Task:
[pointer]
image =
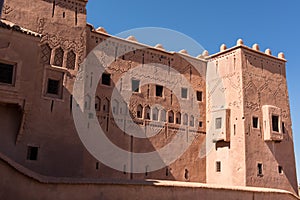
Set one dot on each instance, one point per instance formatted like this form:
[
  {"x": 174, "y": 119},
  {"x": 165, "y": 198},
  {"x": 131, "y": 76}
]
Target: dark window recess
[
  {"x": 106, "y": 79},
  {"x": 259, "y": 169},
  {"x": 200, "y": 124},
  {"x": 184, "y": 92},
  {"x": 186, "y": 174},
  {"x": 199, "y": 96},
  {"x": 135, "y": 85},
  {"x": 255, "y": 122},
  {"x": 6, "y": 73},
  {"x": 218, "y": 124},
  {"x": 97, "y": 165},
  {"x": 283, "y": 127},
  {"x": 218, "y": 166},
  {"x": 159, "y": 90},
  {"x": 32, "y": 153},
  {"x": 280, "y": 169},
  {"x": 275, "y": 120},
  {"x": 53, "y": 86}
]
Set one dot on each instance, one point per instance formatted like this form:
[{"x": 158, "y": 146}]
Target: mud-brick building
[{"x": 242, "y": 131}]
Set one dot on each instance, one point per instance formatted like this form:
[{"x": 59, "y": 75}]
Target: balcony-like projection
[
  {"x": 272, "y": 123},
  {"x": 221, "y": 126}
]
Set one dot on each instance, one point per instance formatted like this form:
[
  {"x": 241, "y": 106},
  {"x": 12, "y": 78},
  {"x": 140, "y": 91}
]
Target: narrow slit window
[
  {"x": 275, "y": 121},
  {"x": 218, "y": 166},
  {"x": 280, "y": 169},
  {"x": 259, "y": 169},
  {"x": 255, "y": 122}
]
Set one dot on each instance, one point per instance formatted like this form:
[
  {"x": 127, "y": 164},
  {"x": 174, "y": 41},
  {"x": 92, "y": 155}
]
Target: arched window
[
  {"x": 45, "y": 53},
  {"x": 59, "y": 57},
  {"x": 139, "y": 111},
  {"x": 115, "y": 107},
  {"x": 97, "y": 104},
  {"x": 178, "y": 118},
  {"x": 71, "y": 59},
  {"x": 185, "y": 119},
  {"x": 155, "y": 114},
  {"x": 106, "y": 105},
  {"x": 192, "y": 121},
  {"x": 163, "y": 115},
  {"x": 171, "y": 116},
  {"x": 147, "y": 113}
]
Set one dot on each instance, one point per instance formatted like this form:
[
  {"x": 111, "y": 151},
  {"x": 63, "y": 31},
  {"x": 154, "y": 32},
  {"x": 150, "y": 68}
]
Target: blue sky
[{"x": 271, "y": 24}]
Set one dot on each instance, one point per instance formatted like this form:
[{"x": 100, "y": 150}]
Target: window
[
  {"x": 218, "y": 122},
  {"x": 280, "y": 169},
  {"x": 45, "y": 53},
  {"x": 184, "y": 92},
  {"x": 185, "y": 119},
  {"x": 192, "y": 121},
  {"x": 155, "y": 114},
  {"x": 159, "y": 90},
  {"x": 259, "y": 169},
  {"x": 275, "y": 120},
  {"x": 171, "y": 117},
  {"x": 139, "y": 112},
  {"x": 163, "y": 115},
  {"x": 97, "y": 104},
  {"x": 59, "y": 57},
  {"x": 147, "y": 112},
  {"x": 178, "y": 118},
  {"x": 32, "y": 153},
  {"x": 71, "y": 59},
  {"x": 199, "y": 95},
  {"x": 255, "y": 122},
  {"x": 200, "y": 124},
  {"x": 6, "y": 73},
  {"x": 218, "y": 166},
  {"x": 106, "y": 79},
  {"x": 53, "y": 86},
  {"x": 135, "y": 85}
]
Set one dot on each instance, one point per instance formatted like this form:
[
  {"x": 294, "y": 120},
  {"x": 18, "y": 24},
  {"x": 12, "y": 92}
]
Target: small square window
[
  {"x": 53, "y": 86},
  {"x": 6, "y": 73},
  {"x": 184, "y": 92},
  {"x": 32, "y": 153},
  {"x": 218, "y": 124},
  {"x": 106, "y": 79},
  {"x": 200, "y": 124},
  {"x": 275, "y": 121},
  {"x": 280, "y": 170},
  {"x": 259, "y": 169},
  {"x": 218, "y": 166},
  {"x": 255, "y": 122},
  {"x": 135, "y": 85},
  {"x": 199, "y": 96},
  {"x": 159, "y": 90}
]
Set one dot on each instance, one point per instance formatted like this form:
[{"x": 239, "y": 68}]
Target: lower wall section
[{"x": 17, "y": 182}]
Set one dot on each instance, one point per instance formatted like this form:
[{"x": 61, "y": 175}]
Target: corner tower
[{"x": 249, "y": 135}]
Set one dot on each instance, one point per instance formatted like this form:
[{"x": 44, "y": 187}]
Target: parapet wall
[{"x": 19, "y": 183}]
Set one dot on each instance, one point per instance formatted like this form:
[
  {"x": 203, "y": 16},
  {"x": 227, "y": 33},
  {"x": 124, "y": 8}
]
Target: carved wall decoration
[{"x": 6, "y": 10}]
